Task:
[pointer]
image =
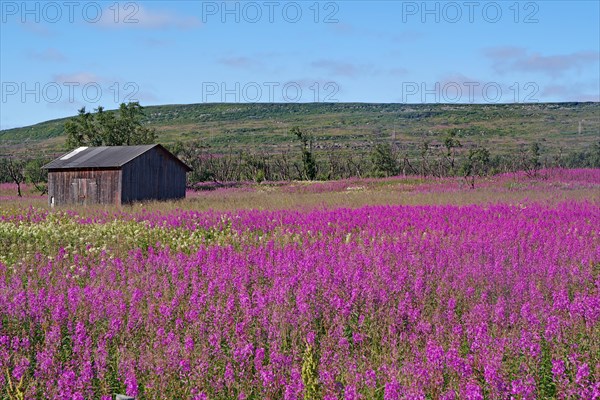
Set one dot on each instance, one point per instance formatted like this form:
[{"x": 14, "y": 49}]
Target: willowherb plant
[{"x": 475, "y": 301}]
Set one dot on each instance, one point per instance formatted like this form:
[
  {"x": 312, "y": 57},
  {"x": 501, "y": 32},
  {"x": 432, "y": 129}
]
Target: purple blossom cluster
[{"x": 380, "y": 302}]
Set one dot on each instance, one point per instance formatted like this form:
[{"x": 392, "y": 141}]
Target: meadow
[{"x": 396, "y": 288}]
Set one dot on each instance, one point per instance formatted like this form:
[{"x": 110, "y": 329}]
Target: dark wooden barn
[{"x": 115, "y": 175}]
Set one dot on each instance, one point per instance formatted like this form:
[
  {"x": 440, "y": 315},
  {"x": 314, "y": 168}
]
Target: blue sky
[{"x": 58, "y": 56}]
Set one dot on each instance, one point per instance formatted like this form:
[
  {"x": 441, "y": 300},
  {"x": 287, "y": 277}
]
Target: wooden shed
[{"x": 115, "y": 175}]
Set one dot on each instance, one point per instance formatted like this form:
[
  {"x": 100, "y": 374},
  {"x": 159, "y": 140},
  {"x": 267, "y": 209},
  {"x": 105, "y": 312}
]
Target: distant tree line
[
  {"x": 451, "y": 158},
  {"x": 19, "y": 171},
  {"x": 383, "y": 160}
]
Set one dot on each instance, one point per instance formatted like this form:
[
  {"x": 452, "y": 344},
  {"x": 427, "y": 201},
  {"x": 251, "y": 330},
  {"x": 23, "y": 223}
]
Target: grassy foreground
[{"x": 374, "y": 289}]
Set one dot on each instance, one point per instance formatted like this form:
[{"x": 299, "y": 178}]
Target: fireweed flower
[
  {"x": 583, "y": 371},
  {"x": 392, "y": 391},
  {"x": 473, "y": 392},
  {"x": 437, "y": 301}
]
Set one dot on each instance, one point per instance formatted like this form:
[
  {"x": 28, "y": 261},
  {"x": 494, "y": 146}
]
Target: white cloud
[
  {"x": 50, "y": 54},
  {"x": 78, "y": 77},
  {"x": 507, "y": 59},
  {"x": 138, "y": 17}
]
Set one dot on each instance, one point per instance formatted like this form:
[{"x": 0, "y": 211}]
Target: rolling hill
[{"x": 346, "y": 126}]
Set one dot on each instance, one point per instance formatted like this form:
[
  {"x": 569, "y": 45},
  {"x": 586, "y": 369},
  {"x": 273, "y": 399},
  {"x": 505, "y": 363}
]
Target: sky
[{"x": 58, "y": 56}]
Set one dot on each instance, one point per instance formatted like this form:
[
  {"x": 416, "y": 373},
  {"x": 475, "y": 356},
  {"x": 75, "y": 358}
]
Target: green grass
[{"x": 350, "y": 126}]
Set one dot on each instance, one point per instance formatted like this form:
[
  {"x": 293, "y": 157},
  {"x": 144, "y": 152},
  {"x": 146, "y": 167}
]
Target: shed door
[{"x": 85, "y": 191}]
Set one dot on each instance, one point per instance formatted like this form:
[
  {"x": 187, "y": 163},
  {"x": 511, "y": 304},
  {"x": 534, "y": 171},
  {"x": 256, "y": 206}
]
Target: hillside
[{"x": 349, "y": 126}]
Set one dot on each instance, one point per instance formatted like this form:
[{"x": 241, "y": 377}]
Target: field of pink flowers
[{"x": 481, "y": 301}]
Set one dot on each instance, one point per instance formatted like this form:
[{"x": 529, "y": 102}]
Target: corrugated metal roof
[{"x": 102, "y": 157}]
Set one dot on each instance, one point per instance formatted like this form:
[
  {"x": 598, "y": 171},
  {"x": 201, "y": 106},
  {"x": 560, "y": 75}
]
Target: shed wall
[
  {"x": 85, "y": 186},
  {"x": 154, "y": 175}
]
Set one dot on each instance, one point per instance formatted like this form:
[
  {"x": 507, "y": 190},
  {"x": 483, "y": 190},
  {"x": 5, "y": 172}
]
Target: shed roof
[{"x": 104, "y": 157}]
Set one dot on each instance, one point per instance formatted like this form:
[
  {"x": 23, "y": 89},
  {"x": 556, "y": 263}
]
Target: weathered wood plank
[{"x": 154, "y": 175}]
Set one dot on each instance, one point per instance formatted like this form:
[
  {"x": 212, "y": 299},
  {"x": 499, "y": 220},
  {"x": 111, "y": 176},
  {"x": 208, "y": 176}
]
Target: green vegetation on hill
[{"x": 347, "y": 126}]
